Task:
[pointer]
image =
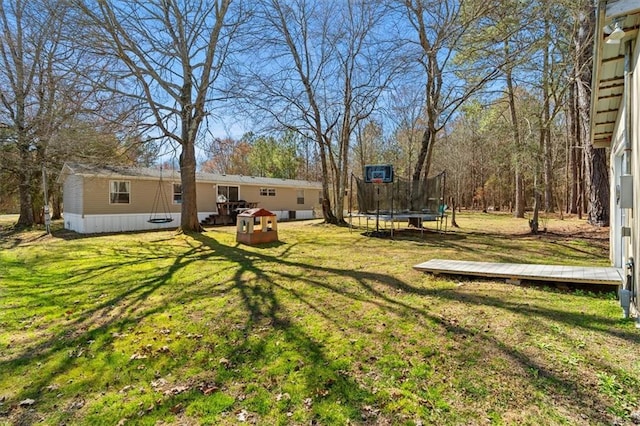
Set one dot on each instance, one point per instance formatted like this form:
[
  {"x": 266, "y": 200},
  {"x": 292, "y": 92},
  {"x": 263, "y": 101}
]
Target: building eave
[{"x": 607, "y": 86}]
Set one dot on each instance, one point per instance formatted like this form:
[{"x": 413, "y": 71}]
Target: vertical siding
[
  {"x": 72, "y": 194},
  {"x": 634, "y": 133},
  {"x": 100, "y": 223}
]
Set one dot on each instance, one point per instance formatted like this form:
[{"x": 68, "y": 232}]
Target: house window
[
  {"x": 230, "y": 193},
  {"x": 119, "y": 192},
  {"x": 177, "y": 193},
  {"x": 268, "y": 192},
  {"x": 300, "y": 196}
]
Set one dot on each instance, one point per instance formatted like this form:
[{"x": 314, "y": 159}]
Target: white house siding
[
  {"x": 624, "y": 249},
  {"x": 634, "y": 132},
  {"x": 299, "y": 214},
  {"x": 619, "y": 217},
  {"x": 90, "y": 224}
]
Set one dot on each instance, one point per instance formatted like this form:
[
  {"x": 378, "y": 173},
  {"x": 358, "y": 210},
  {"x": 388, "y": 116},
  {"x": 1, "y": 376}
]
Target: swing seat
[{"x": 160, "y": 220}]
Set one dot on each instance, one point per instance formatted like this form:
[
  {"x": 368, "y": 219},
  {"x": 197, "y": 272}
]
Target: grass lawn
[{"x": 326, "y": 327}]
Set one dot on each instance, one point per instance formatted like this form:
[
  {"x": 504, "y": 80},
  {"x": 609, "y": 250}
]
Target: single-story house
[
  {"x": 615, "y": 124},
  {"x": 115, "y": 199}
]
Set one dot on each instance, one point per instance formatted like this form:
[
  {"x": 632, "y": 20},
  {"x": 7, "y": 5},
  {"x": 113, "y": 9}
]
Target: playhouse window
[
  {"x": 119, "y": 192},
  {"x": 177, "y": 193},
  {"x": 268, "y": 192},
  {"x": 300, "y": 196}
]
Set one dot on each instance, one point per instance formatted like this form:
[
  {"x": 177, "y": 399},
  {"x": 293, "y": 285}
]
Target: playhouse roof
[{"x": 257, "y": 212}]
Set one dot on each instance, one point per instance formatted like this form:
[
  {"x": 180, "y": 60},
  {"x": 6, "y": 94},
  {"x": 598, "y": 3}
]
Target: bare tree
[
  {"x": 328, "y": 67},
  {"x": 407, "y": 113},
  {"x": 227, "y": 156},
  {"x": 439, "y": 27},
  {"x": 42, "y": 92},
  {"x": 171, "y": 55},
  {"x": 369, "y": 145}
]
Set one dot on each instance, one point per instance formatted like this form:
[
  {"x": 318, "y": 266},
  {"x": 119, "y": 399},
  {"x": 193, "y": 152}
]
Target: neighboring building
[
  {"x": 115, "y": 199},
  {"x": 615, "y": 118}
]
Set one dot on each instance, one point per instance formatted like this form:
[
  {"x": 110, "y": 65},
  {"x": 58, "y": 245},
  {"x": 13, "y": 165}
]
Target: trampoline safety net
[{"x": 398, "y": 197}]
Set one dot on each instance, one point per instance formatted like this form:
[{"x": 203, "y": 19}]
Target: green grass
[{"x": 327, "y": 326}]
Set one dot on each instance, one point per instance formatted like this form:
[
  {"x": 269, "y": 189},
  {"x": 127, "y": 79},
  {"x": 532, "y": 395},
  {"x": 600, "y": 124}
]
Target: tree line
[{"x": 494, "y": 92}]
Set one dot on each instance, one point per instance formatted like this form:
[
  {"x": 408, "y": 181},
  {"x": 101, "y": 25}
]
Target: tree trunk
[
  {"x": 422, "y": 163},
  {"x": 549, "y": 201},
  {"x": 421, "y": 169},
  {"x": 189, "y": 218},
  {"x": 344, "y": 143},
  {"x": 574, "y": 147},
  {"x": 56, "y": 203},
  {"x": 547, "y": 163},
  {"x": 596, "y": 167},
  {"x": 534, "y": 223},
  {"x": 326, "y": 200},
  {"x": 453, "y": 213},
  {"x": 26, "y": 217},
  {"x": 519, "y": 184},
  {"x": 597, "y": 185}
]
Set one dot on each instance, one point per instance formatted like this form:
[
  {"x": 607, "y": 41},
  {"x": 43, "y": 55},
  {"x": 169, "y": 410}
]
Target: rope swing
[{"x": 160, "y": 202}]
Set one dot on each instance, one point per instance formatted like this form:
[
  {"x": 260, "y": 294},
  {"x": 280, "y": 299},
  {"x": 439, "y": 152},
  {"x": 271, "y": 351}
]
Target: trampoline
[{"x": 401, "y": 200}]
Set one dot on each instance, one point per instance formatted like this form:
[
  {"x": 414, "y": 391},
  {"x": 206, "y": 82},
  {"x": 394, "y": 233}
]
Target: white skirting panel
[
  {"x": 90, "y": 224},
  {"x": 299, "y": 214}
]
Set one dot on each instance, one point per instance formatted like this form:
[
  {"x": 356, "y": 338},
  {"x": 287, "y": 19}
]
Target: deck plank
[{"x": 533, "y": 272}]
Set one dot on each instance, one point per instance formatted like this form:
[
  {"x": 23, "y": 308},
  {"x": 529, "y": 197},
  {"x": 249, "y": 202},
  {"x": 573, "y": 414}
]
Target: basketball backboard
[{"x": 378, "y": 173}]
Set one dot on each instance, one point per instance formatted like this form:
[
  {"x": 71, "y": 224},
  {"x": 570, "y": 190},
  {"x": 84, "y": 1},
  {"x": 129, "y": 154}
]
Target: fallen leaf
[
  {"x": 208, "y": 390},
  {"x": 282, "y": 396},
  {"x": 76, "y": 405},
  {"x": 27, "y": 402},
  {"x": 242, "y": 416},
  {"x": 158, "y": 383},
  {"x": 176, "y": 390},
  {"x": 137, "y": 356}
]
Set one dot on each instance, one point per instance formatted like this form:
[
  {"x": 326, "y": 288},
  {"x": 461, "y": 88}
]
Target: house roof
[
  {"x": 608, "y": 66},
  {"x": 145, "y": 173}
]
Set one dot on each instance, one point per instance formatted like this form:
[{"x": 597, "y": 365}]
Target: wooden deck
[{"x": 517, "y": 272}]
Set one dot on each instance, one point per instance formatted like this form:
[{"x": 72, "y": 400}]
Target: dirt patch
[{"x": 12, "y": 237}]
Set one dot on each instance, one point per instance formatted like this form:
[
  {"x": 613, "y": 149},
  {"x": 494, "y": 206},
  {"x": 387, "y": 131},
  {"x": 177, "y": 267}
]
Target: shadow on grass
[
  {"x": 326, "y": 379},
  {"x": 367, "y": 281},
  {"x": 415, "y": 235},
  {"x": 505, "y": 248}
]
